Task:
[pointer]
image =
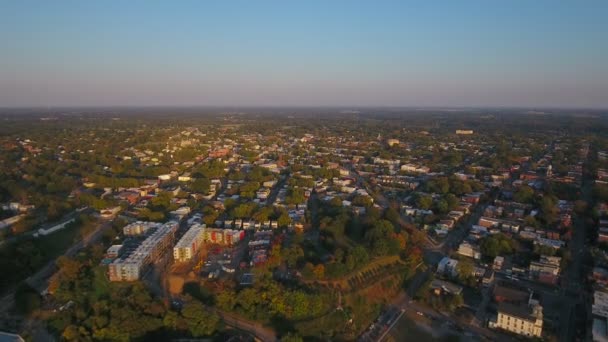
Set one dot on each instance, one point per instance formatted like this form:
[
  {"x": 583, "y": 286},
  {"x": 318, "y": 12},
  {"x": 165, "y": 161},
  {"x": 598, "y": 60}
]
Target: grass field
[{"x": 363, "y": 277}]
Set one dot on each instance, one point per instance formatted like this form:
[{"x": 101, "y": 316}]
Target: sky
[{"x": 304, "y": 53}]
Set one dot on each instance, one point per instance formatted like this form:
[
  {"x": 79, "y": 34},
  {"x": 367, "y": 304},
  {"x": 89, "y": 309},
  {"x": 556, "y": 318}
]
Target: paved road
[
  {"x": 258, "y": 330},
  {"x": 31, "y": 232},
  {"x": 573, "y": 292},
  {"x": 39, "y": 280},
  {"x": 405, "y": 303}
]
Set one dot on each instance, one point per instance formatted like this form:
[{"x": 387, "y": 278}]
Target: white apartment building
[
  {"x": 187, "y": 247},
  {"x": 138, "y": 228},
  {"x": 524, "y": 319},
  {"x": 130, "y": 266}
]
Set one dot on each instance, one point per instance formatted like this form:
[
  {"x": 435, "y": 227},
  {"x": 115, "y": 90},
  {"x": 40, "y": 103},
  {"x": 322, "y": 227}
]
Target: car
[{"x": 419, "y": 313}]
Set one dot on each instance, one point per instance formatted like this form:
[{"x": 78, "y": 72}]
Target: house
[
  {"x": 507, "y": 292},
  {"x": 555, "y": 244},
  {"x": 110, "y": 212},
  {"x": 447, "y": 267},
  {"x": 602, "y": 234},
  {"x": 130, "y": 196},
  {"x": 546, "y": 264},
  {"x": 441, "y": 286},
  {"x": 600, "y": 275},
  {"x": 447, "y": 224},
  {"x": 184, "y": 178},
  {"x": 414, "y": 168},
  {"x": 599, "y": 309},
  {"x": 498, "y": 262},
  {"x": 114, "y": 251},
  {"x": 164, "y": 177},
  {"x": 469, "y": 250},
  {"x": 488, "y": 277}
]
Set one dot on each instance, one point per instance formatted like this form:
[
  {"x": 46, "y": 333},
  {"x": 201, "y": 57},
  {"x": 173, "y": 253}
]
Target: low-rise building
[
  {"x": 599, "y": 309},
  {"x": 469, "y": 250},
  {"x": 114, "y": 251},
  {"x": 440, "y": 286},
  {"x": 546, "y": 264},
  {"x": 447, "y": 267}
]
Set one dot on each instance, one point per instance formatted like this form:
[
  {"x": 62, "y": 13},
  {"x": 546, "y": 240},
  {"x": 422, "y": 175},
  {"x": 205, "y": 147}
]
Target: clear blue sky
[{"x": 332, "y": 52}]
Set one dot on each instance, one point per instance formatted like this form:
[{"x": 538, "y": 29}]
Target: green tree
[
  {"x": 524, "y": 194},
  {"x": 200, "y": 185},
  {"x": 284, "y": 220},
  {"x": 424, "y": 202},
  {"x": 292, "y": 337},
  {"x": 200, "y": 321}
]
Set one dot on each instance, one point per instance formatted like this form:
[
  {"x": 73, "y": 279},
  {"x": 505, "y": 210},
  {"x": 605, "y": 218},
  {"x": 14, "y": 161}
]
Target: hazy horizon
[{"x": 353, "y": 54}]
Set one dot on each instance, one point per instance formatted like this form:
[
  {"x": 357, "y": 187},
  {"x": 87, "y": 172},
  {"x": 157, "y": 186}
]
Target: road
[
  {"x": 258, "y": 330},
  {"x": 410, "y": 307},
  {"x": 575, "y": 295},
  {"x": 433, "y": 252},
  {"x": 39, "y": 280},
  {"x": 31, "y": 232}
]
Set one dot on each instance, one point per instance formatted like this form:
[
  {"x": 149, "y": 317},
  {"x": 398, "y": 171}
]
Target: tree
[
  {"x": 293, "y": 254},
  {"x": 284, "y": 220},
  {"x": 319, "y": 271},
  {"x": 338, "y": 254},
  {"x": 424, "y": 202},
  {"x": 530, "y": 221},
  {"x": 26, "y": 299},
  {"x": 200, "y": 185},
  {"x": 495, "y": 245},
  {"x": 524, "y": 194},
  {"x": 442, "y": 206},
  {"x": 292, "y": 337},
  {"x": 452, "y": 201},
  {"x": 350, "y": 262},
  {"x": 336, "y": 202},
  {"x": 549, "y": 209},
  {"x": 226, "y": 300},
  {"x": 244, "y": 210},
  {"x": 439, "y": 185},
  {"x": 360, "y": 256},
  {"x": 455, "y": 301},
  {"x": 465, "y": 269},
  {"x": 171, "y": 320},
  {"x": 363, "y": 201},
  {"x": 263, "y": 214},
  {"x": 200, "y": 321}
]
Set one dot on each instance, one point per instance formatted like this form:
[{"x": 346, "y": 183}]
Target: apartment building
[
  {"x": 138, "y": 228},
  {"x": 520, "y": 317},
  {"x": 521, "y": 320},
  {"x": 130, "y": 266},
  {"x": 187, "y": 247}
]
